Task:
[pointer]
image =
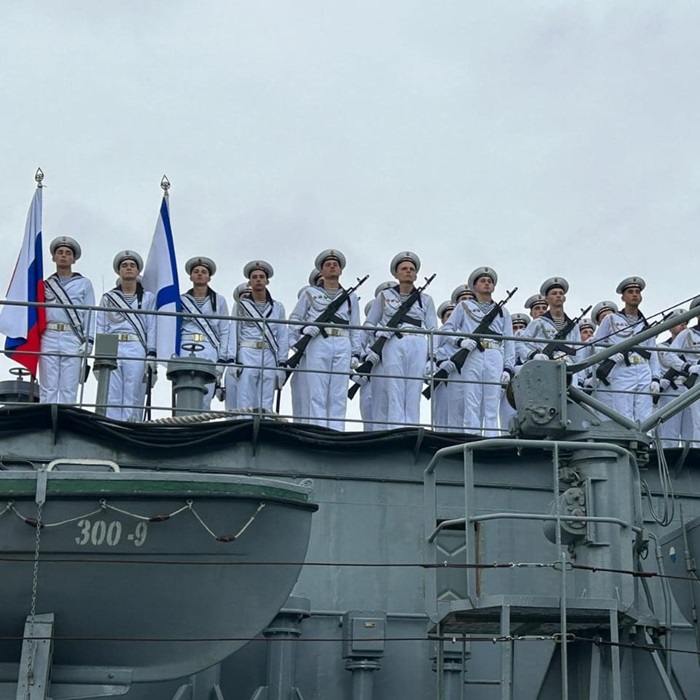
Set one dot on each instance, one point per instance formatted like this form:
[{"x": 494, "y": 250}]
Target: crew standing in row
[
  {"x": 490, "y": 362},
  {"x": 398, "y": 372},
  {"x": 259, "y": 345},
  {"x": 205, "y": 329},
  {"x": 334, "y": 348},
  {"x": 67, "y": 341},
  {"x": 137, "y": 369}
]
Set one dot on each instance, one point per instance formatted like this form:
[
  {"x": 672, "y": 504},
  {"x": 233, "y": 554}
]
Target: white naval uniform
[
  {"x": 396, "y": 395},
  {"x": 440, "y": 396},
  {"x": 687, "y": 340},
  {"x": 211, "y": 333},
  {"x": 542, "y": 331},
  {"x": 327, "y": 359},
  {"x": 628, "y": 392},
  {"x": 259, "y": 345},
  {"x": 506, "y": 411},
  {"x": 481, "y": 374},
  {"x": 127, "y": 383},
  {"x": 365, "y": 393},
  {"x": 678, "y": 429},
  {"x": 60, "y": 373}
]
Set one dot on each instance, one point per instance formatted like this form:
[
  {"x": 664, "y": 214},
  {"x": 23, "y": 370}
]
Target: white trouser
[
  {"x": 481, "y": 374},
  {"x": 623, "y": 395},
  {"x": 256, "y": 386},
  {"x": 328, "y": 393},
  {"x": 678, "y": 429},
  {"x": 59, "y": 375},
  {"x": 454, "y": 398},
  {"x": 231, "y": 384},
  {"x": 505, "y": 412},
  {"x": 396, "y": 398},
  {"x": 208, "y": 352},
  {"x": 440, "y": 403},
  {"x": 366, "y": 405},
  {"x": 300, "y": 393},
  {"x": 127, "y": 386}
]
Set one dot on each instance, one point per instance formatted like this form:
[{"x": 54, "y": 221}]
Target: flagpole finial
[
  {"x": 39, "y": 177},
  {"x": 165, "y": 184}
]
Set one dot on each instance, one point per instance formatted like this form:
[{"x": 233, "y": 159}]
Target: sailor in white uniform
[
  {"x": 364, "y": 380},
  {"x": 536, "y": 305},
  {"x": 678, "y": 430},
  {"x": 334, "y": 349},
  {"x": 67, "y": 341},
  {"x": 451, "y": 393},
  {"x": 634, "y": 377},
  {"x": 443, "y": 349},
  {"x": 297, "y": 382},
  {"x": 136, "y": 362},
  {"x": 262, "y": 345},
  {"x": 544, "y": 329},
  {"x": 233, "y": 369},
  {"x": 199, "y": 327},
  {"x": 487, "y": 370},
  {"x": 506, "y": 411},
  {"x": 600, "y": 311},
  {"x": 396, "y": 394}
]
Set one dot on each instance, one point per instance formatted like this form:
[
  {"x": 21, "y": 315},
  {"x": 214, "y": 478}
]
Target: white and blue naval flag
[{"x": 160, "y": 278}]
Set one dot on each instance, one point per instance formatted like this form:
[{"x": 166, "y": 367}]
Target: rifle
[
  {"x": 301, "y": 344},
  {"x": 149, "y": 388},
  {"x": 553, "y": 346},
  {"x": 378, "y": 345},
  {"x": 671, "y": 375},
  {"x": 460, "y": 357}
]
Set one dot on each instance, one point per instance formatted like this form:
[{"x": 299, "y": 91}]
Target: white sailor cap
[
  {"x": 520, "y": 318},
  {"x": 69, "y": 243},
  {"x": 444, "y": 308},
  {"x": 695, "y": 302},
  {"x": 119, "y": 258},
  {"x": 602, "y": 306},
  {"x": 243, "y": 287},
  {"x": 482, "y": 272},
  {"x": 384, "y": 285},
  {"x": 330, "y": 254},
  {"x": 586, "y": 323},
  {"x": 630, "y": 282},
  {"x": 534, "y": 300},
  {"x": 461, "y": 291},
  {"x": 368, "y": 306},
  {"x": 404, "y": 256},
  {"x": 204, "y": 262},
  {"x": 553, "y": 282},
  {"x": 254, "y": 265},
  {"x": 678, "y": 312},
  {"x": 315, "y": 276}
]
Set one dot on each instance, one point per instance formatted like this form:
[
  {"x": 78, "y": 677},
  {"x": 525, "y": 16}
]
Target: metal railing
[{"x": 356, "y": 418}]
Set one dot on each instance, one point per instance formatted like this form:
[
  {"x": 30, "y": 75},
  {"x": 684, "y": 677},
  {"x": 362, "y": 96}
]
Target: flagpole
[
  {"x": 39, "y": 179},
  {"x": 165, "y": 186}
]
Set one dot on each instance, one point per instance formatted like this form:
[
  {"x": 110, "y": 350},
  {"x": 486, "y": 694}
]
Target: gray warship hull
[{"x": 433, "y": 570}]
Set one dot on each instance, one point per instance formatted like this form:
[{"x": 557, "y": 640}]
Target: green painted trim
[{"x": 16, "y": 487}]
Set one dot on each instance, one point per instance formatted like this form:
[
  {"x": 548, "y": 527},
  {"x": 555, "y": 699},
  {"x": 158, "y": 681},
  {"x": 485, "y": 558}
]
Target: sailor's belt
[
  {"x": 342, "y": 332},
  {"x": 126, "y": 337},
  {"x": 257, "y": 344},
  {"x": 197, "y": 337},
  {"x": 491, "y": 344},
  {"x": 59, "y": 327},
  {"x": 637, "y": 360}
]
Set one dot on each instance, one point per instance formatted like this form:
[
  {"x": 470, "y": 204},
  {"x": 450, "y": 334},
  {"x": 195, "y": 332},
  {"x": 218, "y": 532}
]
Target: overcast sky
[{"x": 539, "y": 137}]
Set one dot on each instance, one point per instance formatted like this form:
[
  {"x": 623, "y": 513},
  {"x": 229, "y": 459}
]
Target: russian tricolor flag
[{"x": 23, "y": 325}]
